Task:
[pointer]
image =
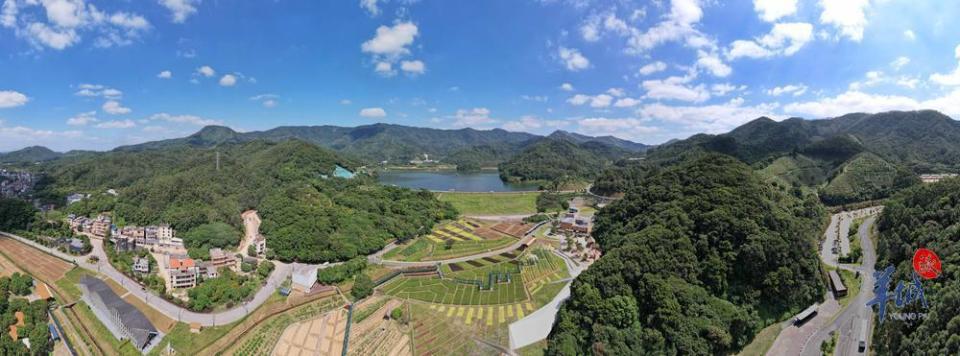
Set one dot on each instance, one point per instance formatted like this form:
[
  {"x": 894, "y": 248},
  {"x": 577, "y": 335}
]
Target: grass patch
[
  {"x": 546, "y": 293},
  {"x": 762, "y": 341},
  {"x": 492, "y": 203},
  {"x": 186, "y": 343},
  {"x": 367, "y": 311},
  {"x": 853, "y": 286},
  {"x": 534, "y": 349}
]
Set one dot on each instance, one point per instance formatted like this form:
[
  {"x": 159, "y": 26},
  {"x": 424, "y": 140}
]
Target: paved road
[
  {"x": 536, "y": 326},
  {"x": 848, "y": 322},
  {"x": 403, "y": 264}
]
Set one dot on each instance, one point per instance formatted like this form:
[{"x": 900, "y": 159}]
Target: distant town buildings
[
  {"x": 573, "y": 222},
  {"x": 933, "y": 178},
  {"x": 76, "y": 198},
  {"x": 15, "y": 184}
]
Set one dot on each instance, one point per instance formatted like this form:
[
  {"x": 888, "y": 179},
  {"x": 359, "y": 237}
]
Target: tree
[
  {"x": 15, "y": 214},
  {"x": 448, "y": 244},
  {"x": 362, "y": 286},
  {"x": 252, "y": 251},
  {"x": 396, "y": 313}
]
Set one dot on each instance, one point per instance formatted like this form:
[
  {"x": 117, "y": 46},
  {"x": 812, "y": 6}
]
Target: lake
[{"x": 453, "y": 181}]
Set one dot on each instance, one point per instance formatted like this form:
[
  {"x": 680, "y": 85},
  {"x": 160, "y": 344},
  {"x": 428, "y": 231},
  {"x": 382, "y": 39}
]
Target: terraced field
[
  {"x": 262, "y": 339},
  {"x": 466, "y": 237}
]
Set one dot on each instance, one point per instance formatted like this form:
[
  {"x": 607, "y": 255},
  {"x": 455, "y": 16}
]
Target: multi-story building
[
  {"x": 182, "y": 271},
  {"x": 141, "y": 265},
  {"x": 221, "y": 259},
  {"x": 100, "y": 227}
]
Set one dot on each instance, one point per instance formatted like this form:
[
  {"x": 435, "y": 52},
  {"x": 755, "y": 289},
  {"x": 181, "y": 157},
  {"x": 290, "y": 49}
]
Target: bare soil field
[
  {"x": 377, "y": 336},
  {"x": 320, "y": 336},
  {"x": 34, "y": 261}
]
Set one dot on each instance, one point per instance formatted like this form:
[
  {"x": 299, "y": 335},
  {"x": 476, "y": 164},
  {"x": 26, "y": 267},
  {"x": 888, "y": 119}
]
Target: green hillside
[
  {"x": 866, "y": 177},
  {"x": 697, "y": 259},
  {"x": 922, "y": 216},
  {"x": 29, "y": 155},
  {"x": 550, "y": 160},
  {"x": 307, "y": 217}
]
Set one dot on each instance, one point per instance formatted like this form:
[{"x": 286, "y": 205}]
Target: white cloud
[
  {"x": 566, "y": 87},
  {"x": 677, "y": 25},
  {"x": 180, "y": 9},
  {"x": 267, "y": 100},
  {"x": 66, "y": 19},
  {"x": 708, "y": 118},
  {"x": 847, "y": 16},
  {"x": 345, "y": 102},
  {"x": 12, "y": 99},
  {"x": 476, "y": 118},
  {"x": 899, "y": 62},
  {"x": 795, "y": 89},
  {"x": 722, "y": 89},
  {"x": 413, "y": 67},
  {"x": 165, "y": 74},
  {"x": 391, "y": 41},
  {"x": 113, "y": 107},
  {"x": 596, "y": 101},
  {"x": 857, "y": 101},
  {"x": 206, "y": 71},
  {"x": 530, "y": 122},
  {"x": 713, "y": 64},
  {"x": 617, "y": 92},
  {"x": 370, "y": 6},
  {"x": 675, "y": 88},
  {"x": 590, "y": 30},
  {"x": 784, "y": 39},
  {"x": 572, "y": 59},
  {"x": 651, "y": 68},
  {"x": 41, "y": 34},
  {"x": 373, "y": 112},
  {"x": 773, "y": 10},
  {"x": 116, "y": 124},
  {"x": 97, "y": 90},
  {"x": 909, "y": 35},
  {"x": 83, "y": 119},
  {"x": 17, "y": 137},
  {"x": 228, "y": 80},
  {"x": 951, "y": 78},
  {"x": 626, "y": 102},
  {"x": 184, "y": 119},
  {"x": 385, "y": 69},
  {"x": 537, "y": 98}
]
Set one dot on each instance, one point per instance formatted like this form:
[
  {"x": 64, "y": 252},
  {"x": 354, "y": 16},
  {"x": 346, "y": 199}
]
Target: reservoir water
[{"x": 452, "y": 181}]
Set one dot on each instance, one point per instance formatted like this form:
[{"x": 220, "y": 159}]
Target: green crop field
[
  {"x": 492, "y": 203},
  {"x": 426, "y": 250}
]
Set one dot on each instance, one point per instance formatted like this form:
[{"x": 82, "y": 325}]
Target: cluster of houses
[
  {"x": 185, "y": 272},
  {"x": 15, "y": 184},
  {"x": 574, "y": 223},
  {"x": 128, "y": 238}
]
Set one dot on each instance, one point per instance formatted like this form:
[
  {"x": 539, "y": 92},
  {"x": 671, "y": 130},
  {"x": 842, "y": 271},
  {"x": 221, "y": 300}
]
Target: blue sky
[{"x": 92, "y": 74}]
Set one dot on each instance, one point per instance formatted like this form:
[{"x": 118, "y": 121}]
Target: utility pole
[{"x": 218, "y": 161}]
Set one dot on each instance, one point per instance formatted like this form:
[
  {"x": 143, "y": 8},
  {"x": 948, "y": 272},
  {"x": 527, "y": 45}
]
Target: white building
[{"x": 304, "y": 277}]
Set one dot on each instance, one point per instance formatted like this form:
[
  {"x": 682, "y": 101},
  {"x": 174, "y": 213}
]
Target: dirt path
[{"x": 251, "y": 225}]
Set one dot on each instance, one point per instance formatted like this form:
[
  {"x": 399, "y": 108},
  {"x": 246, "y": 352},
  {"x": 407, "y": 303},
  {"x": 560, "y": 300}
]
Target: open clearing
[
  {"x": 376, "y": 335},
  {"x": 38, "y": 263},
  {"x": 492, "y": 203}
]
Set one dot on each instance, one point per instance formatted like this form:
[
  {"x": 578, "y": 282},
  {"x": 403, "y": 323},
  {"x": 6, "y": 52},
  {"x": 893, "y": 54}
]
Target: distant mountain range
[{"x": 370, "y": 143}]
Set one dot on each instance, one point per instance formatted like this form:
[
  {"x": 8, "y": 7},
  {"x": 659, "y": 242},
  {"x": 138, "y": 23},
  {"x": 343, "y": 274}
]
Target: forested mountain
[
  {"x": 371, "y": 143},
  {"x": 608, "y": 140},
  {"x": 924, "y": 216},
  {"x": 308, "y": 216},
  {"x": 29, "y": 155},
  {"x": 552, "y": 159},
  {"x": 697, "y": 258},
  {"x": 850, "y": 158}
]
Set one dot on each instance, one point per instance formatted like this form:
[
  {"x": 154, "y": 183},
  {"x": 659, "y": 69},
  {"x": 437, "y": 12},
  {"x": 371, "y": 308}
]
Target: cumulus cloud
[
  {"x": 909, "y": 35},
  {"x": 858, "y": 101},
  {"x": 675, "y": 88},
  {"x": 712, "y": 64},
  {"x": 373, "y": 112},
  {"x": 16, "y": 137},
  {"x": 266, "y": 100},
  {"x": 83, "y": 119},
  {"x": 116, "y": 124},
  {"x": 721, "y": 89},
  {"x": 114, "y": 107},
  {"x": 532, "y": 123},
  {"x": 846, "y": 16},
  {"x": 773, "y": 10},
  {"x": 370, "y": 6},
  {"x": 391, "y": 40},
  {"x": 566, "y": 87},
  {"x": 165, "y": 74},
  {"x": 180, "y": 9},
  {"x": 413, "y": 67},
  {"x": 784, "y": 39},
  {"x": 572, "y": 59},
  {"x": 950, "y": 78},
  {"x": 626, "y": 102},
  {"x": 794, "y": 89},
  {"x": 12, "y": 99},
  {"x": 228, "y": 80},
  {"x": 595, "y": 101},
  {"x": 66, "y": 20},
  {"x": 677, "y": 25},
  {"x": 716, "y": 118},
  {"x": 626, "y": 128},
  {"x": 206, "y": 71},
  {"x": 651, "y": 68},
  {"x": 476, "y": 118},
  {"x": 98, "y": 91},
  {"x": 899, "y": 62}
]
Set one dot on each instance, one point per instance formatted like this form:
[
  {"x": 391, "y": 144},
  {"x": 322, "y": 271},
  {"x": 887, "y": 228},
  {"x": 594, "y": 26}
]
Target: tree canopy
[{"x": 695, "y": 256}]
